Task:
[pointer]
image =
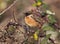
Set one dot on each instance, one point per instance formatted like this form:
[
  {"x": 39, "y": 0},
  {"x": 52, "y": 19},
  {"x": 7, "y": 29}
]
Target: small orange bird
[
  {"x": 30, "y": 21},
  {"x": 28, "y": 18}
]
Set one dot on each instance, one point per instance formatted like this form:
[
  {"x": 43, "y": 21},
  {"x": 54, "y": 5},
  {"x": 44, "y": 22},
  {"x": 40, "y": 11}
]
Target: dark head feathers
[{"x": 27, "y": 13}]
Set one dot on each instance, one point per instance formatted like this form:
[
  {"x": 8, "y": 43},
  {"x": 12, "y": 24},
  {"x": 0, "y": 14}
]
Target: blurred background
[{"x": 18, "y": 7}]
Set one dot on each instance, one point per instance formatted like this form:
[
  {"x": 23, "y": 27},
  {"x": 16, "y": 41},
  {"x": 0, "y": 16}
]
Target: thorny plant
[
  {"x": 42, "y": 15},
  {"x": 29, "y": 39}
]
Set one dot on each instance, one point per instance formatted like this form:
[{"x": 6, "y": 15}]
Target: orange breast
[{"x": 30, "y": 21}]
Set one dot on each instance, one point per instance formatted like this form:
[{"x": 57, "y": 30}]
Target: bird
[{"x": 30, "y": 21}]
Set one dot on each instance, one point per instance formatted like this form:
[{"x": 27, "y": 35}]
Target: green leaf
[
  {"x": 51, "y": 19},
  {"x": 37, "y": 32},
  {"x": 49, "y": 12},
  {"x": 38, "y": 3},
  {"x": 58, "y": 37},
  {"x": 45, "y": 40},
  {"x": 39, "y": 0},
  {"x": 11, "y": 28},
  {"x": 48, "y": 36},
  {"x": 45, "y": 6},
  {"x": 47, "y": 27},
  {"x": 49, "y": 43},
  {"x": 35, "y": 4}
]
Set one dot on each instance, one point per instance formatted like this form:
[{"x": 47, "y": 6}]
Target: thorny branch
[{"x": 10, "y": 7}]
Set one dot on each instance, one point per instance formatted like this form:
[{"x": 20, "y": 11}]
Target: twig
[
  {"x": 14, "y": 16},
  {"x": 52, "y": 40},
  {"x": 8, "y": 7}
]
